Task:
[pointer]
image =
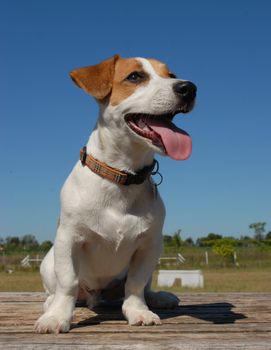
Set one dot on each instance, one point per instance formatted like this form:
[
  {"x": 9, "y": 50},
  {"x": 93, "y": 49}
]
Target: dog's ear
[{"x": 96, "y": 80}]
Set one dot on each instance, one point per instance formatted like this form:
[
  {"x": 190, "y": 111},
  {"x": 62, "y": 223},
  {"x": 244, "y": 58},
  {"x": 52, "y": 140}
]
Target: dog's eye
[
  {"x": 136, "y": 77},
  {"x": 172, "y": 75}
]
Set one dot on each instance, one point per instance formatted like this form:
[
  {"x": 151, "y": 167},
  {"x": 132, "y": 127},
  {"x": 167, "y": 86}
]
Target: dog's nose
[{"x": 185, "y": 89}]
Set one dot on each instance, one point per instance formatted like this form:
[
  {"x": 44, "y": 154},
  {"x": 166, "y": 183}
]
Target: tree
[
  {"x": 167, "y": 240},
  {"x": 46, "y": 245},
  {"x": 29, "y": 242},
  {"x": 189, "y": 241},
  {"x": 13, "y": 241},
  {"x": 213, "y": 236},
  {"x": 225, "y": 248},
  {"x": 176, "y": 239},
  {"x": 245, "y": 238},
  {"x": 209, "y": 240},
  {"x": 268, "y": 235},
  {"x": 259, "y": 229}
]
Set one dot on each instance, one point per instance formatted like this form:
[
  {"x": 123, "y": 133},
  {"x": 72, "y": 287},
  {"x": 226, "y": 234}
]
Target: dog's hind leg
[{"x": 160, "y": 299}]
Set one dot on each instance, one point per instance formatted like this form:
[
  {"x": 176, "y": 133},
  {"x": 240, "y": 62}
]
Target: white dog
[{"x": 110, "y": 227}]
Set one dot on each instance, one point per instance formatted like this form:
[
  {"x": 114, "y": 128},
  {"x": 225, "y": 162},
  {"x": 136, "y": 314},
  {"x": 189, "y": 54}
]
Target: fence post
[
  {"x": 206, "y": 258},
  {"x": 235, "y": 258}
]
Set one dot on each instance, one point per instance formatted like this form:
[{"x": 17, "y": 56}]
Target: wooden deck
[{"x": 203, "y": 321}]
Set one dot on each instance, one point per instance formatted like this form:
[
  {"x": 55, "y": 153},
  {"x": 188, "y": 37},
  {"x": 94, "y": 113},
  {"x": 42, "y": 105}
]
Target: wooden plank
[
  {"x": 116, "y": 341},
  {"x": 195, "y": 298},
  {"x": 203, "y": 321}
]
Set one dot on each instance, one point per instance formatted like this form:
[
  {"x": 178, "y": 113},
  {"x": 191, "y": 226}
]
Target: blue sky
[{"x": 222, "y": 46}]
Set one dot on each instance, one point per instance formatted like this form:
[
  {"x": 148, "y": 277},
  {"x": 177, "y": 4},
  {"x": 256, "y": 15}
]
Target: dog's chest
[
  {"x": 107, "y": 255},
  {"x": 120, "y": 213},
  {"x": 119, "y": 225}
]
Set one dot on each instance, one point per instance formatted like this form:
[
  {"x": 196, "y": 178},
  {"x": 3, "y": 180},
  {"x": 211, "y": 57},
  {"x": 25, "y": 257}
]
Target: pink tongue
[{"x": 177, "y": 142}]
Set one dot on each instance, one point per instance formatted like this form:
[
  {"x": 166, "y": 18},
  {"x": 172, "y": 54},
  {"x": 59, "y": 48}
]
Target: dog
[{"x": 109, "y": 235}]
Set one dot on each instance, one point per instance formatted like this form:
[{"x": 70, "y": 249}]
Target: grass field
[
  {"x": 230, "y": 280},
  {"x": 222, "y": 280},
  {"x": 253, "y": 273}
]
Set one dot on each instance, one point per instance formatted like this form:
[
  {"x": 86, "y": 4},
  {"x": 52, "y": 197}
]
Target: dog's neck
[
  {"x": 116, "y": 149},
  {"x": 118, "y": 154}
]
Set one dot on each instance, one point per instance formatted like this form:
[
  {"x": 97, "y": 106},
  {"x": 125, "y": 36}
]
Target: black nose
[{"x": 186, "y": 90}]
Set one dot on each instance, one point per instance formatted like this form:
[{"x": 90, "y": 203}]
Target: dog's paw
[
  {"x": 161, "y": 300},
  {"x": 49, "y": 323},
  {"x": 143, "y": 318}
]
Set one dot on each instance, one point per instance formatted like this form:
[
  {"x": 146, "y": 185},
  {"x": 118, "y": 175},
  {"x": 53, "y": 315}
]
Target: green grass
[
  {"x": 229, "y": 280},
  {"x": 20, "y": 281},
  {"x": 221, "y": 280},
  {"x": 221, "y": 275}
]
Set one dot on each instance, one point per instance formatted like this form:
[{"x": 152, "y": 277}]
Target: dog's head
[{"x": 140, "y": 97}]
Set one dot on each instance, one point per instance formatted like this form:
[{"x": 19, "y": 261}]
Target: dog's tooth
[{"x": 141, "y": 123}]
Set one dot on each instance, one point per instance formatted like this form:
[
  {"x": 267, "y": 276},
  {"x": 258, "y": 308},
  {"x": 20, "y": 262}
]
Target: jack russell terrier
[{"x": 109, "y": 233}]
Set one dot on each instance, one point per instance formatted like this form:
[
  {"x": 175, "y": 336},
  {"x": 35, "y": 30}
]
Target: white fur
[{"x": 107, "y": 231}]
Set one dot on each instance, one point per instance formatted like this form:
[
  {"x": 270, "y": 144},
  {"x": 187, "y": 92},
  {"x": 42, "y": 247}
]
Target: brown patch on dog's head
[
  {"x": 114, "y": 79},
  {"x": 161, "y": 68},
  {"x": 129, "y": 75},
  {"x": 96, "y": 80}
]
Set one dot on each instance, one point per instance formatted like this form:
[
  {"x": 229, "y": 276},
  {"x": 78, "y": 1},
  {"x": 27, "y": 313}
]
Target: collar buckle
[{"x": 155, "y": 171}]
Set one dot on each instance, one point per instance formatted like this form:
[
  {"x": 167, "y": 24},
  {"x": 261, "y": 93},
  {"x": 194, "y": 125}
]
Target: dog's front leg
[
  {"x": 58, "y": 316},
  {"x": 134, "y": 306}
]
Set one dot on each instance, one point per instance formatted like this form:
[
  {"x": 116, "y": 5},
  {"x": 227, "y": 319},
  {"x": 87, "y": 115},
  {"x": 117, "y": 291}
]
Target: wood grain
[{"x": 202, "y": 321}]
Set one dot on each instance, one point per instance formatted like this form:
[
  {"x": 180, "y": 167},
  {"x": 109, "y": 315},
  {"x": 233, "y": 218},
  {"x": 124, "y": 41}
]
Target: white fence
[
  {"x": 179, "y": 258},
  {"x": 26, "y": 262}
]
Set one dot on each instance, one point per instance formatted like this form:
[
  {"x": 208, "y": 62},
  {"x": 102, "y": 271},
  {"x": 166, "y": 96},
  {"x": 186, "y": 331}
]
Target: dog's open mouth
[{"x": 175, "y": 142}]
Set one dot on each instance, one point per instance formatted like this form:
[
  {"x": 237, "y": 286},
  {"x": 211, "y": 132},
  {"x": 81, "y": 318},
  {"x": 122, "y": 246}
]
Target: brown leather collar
[{"x": 113, "y": 174}]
